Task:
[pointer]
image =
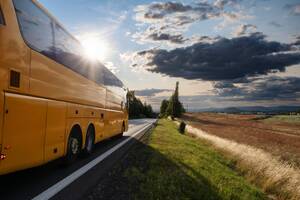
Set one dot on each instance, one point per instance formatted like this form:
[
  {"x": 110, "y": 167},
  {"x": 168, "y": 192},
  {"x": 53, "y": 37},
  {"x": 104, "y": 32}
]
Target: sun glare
[{"x": 95, "y": 48}]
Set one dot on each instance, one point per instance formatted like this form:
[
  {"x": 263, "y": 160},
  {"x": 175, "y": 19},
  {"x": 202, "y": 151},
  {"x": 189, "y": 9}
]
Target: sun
[{"x": 95, "y": 47}]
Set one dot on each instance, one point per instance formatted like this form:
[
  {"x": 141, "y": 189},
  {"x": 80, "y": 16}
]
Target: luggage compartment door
[{"x": 24, "y": 132}]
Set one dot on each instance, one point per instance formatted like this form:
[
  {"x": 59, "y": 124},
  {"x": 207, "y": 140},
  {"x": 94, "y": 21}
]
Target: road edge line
[{"x": 59, "y": 186}]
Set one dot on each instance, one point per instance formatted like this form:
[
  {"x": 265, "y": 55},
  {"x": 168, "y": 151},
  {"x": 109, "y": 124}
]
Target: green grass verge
[
  {"x": 180, "y": 167},
  {"x": 284, "y": 118}
]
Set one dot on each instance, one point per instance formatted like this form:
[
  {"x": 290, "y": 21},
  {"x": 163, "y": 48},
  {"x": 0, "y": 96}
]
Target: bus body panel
[
  {"x": 24, "y": 132},
  {"x": 99, "y": 127},
  {"x": 55, "y": 130},
  {"x": 1, "y": 118},
  {"x": 115, "y": 123},
  {"x": 109, "y": 122}
]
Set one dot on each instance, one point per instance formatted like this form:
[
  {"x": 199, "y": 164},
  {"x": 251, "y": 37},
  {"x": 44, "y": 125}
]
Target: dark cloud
[
  {"x": 150, "y": 92},
  {"x": 224, "y": 59},
  {"x": 177, "y": 39},
  {"x": 203, "y": 39},
  {"x": 262, "y": 89},
  {"x": 167, "y": 8},
  {"x": 275, "y": 24},
  {"x": 185, "y": 20},
  {"x": 297, "y": 41},
  {"x": 150, "y": 15},
  {"x": 223, "y": 85},
  {"x": 170, "y": 7},
  {"x": 227, "y": 89},
  {"x": 176, "y": 13},
  {"x": 151, "y": 34},
  {"x": 294, "y": 9},
  {"x": 275, "y": 88},
  {"x": 184, "y": 13}
]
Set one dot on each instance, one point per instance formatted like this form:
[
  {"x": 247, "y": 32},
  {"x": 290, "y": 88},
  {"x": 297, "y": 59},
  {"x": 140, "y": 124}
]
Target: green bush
[{"x": 182, "y": 126}]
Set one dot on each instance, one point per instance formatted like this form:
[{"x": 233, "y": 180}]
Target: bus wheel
[
  {"x": 90, "y": 141},
  {"x": 74, "y": 148}
]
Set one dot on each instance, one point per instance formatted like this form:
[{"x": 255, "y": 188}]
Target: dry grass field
[
  {"x": 265, "y": 149},
  {"x": 278, "y": 135}
]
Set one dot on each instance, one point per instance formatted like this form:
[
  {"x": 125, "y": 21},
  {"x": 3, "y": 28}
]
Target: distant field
[
  {"x": 278, "y": 135},
  {"x": 284, "y": 118}
]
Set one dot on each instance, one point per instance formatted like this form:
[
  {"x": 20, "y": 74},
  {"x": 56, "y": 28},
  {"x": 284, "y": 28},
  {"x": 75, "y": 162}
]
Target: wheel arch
[
  {"x": 92, "y": 126},
  {"x": 76, "y": 130}
]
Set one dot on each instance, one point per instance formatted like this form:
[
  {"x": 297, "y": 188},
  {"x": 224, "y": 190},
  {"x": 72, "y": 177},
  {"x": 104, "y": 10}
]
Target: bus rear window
[{"x": 1, "y": 17}]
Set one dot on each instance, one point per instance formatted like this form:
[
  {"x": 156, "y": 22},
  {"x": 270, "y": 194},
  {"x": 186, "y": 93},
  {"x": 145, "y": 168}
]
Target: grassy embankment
[{"x": 174, "y": 166}]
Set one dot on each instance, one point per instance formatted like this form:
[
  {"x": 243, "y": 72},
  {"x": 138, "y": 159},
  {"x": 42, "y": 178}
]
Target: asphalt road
[{"x": 54, "y": 181}]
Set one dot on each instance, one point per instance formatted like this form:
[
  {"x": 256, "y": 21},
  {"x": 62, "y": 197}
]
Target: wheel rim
[{"x": 74, "y": 145}]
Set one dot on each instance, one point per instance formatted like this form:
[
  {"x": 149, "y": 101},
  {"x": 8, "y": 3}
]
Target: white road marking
[{"x": 53, "y": 190}]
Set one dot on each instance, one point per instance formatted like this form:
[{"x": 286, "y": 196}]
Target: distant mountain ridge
[{"x": 251, "y": 109}]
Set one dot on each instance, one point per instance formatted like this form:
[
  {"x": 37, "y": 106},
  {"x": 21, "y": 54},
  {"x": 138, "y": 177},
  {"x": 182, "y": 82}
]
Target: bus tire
[
  {"x": 74, "y": 146},
  {"x": 89, "y": 141}
]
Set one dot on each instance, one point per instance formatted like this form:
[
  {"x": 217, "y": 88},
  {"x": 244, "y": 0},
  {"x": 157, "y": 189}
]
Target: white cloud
[
  {"x": 244, "y": 29},
  {"x": 166, "y": 23}
]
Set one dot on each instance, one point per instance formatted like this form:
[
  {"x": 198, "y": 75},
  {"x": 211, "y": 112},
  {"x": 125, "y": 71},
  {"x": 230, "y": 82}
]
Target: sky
[{"x": 224, "y": 53}]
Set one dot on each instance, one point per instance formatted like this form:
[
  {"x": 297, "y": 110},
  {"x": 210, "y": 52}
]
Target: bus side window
[
  {"x": 2, "y": 22},
  {"x": 36, "y": 27}
]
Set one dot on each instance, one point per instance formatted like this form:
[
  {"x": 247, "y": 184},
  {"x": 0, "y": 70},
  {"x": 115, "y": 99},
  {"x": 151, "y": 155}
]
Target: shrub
[{"x": 182, "y": 126}]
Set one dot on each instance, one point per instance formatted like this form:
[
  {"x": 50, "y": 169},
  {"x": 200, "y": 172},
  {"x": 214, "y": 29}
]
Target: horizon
[{"x": 252, "y": 109}]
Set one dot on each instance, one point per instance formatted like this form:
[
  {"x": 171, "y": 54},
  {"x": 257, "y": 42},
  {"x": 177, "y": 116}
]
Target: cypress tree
[{"x": 175, "y": 108}]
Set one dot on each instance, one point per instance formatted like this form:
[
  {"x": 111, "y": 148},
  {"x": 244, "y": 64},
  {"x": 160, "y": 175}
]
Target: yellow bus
[{"x": 53, "y": 101}]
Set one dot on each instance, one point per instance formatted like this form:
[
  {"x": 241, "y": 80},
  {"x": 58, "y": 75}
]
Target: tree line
[
  {"x": 172, "y": 107},
  {"x": 137, "y": 109}
]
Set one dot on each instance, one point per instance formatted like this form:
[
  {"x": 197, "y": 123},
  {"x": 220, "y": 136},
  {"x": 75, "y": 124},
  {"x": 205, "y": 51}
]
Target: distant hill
[{"x": 252, "y": 109}]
